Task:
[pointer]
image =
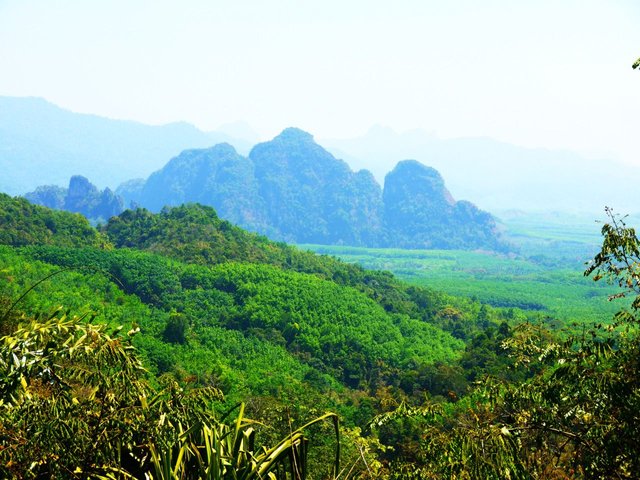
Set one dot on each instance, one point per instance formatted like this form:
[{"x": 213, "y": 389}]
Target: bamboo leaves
[{"x": 74, "y": 404}]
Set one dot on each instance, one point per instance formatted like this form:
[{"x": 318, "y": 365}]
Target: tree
[
  {"x": 577, "y": 417},
  {"x": 176, "y": 329},
  {"x": 74, "y": 403}
]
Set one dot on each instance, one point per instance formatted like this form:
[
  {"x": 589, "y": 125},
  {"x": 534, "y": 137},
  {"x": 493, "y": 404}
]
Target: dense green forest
[{"x": 176, "y": 345}]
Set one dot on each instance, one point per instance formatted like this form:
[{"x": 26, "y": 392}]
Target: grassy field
[
  {"x": 553, "y": 238},
  {"x": 561, "y": 292},
  {"x": 545, "y": 274}
]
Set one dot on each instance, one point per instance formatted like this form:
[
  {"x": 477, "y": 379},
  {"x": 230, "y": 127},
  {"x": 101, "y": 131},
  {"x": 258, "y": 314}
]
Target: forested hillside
[
  {"x": 197, "y": 274},
  {"x": 293, "y": 334}
]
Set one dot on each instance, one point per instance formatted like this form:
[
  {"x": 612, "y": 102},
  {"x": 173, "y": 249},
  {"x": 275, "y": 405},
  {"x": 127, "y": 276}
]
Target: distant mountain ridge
[
  {"x": 80, "y": 197},
  {"x": 294, "y": 190},
  {"x": 499, "y": 176},
  {"x": 41, "y": 143}
]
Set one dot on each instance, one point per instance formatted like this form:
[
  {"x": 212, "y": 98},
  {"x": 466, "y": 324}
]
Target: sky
[{"x": 550, "y": 74}]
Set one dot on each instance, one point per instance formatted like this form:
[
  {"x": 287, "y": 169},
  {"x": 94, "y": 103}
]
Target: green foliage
[
  {"x": 336, "y": 325},
  {"x": 576, "y": 417},
  {"x": 338, "y": 329},
  {"x": 176, "y": 329},
  {"x": 365, "y": 328},
  {"x": 22, "y": 223},
  {"x": 192, "y": 232},
  {"x": 294, "y": 334},
  {"x": 532, "y": 289},
  {"x": 67, "y": 399},
  {"x": 229, "y": 451},
  {"x": 215, "y": 356},
  {"x": 619, "y": 260},
  {"x": 74, "y": 404},
  {"x": 276, "y": 328}
]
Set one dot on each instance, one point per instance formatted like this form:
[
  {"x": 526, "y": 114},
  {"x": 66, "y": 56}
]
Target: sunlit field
[{"x": 561, "y": 292}]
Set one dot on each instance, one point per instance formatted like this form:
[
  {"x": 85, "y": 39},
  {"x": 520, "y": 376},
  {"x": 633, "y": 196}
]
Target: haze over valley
[
  {"x": 360, "y": 240},
  {"x": 52, "y": 144}
]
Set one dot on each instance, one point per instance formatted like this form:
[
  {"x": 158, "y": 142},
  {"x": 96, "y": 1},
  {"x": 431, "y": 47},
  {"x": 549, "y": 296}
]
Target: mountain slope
[
  {"x": 216, "y": 176},
  {"x": 500, "y": 176},
  {"x": 420, "y": 211},
  {"x": 292, "y": 189},
  {"x": 312, "y": 197},
  {"x": 22, "y": 223},
  {"x": 331, "y": 323},
  {"x": 41, "y": 143}
]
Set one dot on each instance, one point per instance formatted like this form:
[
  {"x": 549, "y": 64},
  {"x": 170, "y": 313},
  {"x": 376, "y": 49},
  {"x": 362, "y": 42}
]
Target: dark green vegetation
[
  {"x": 22, "y": 223},
  {"x": 219, "y": 307},
  {"x": 292, "y": 189},
  {"x": 577, "y": 417},
  {"x": 75, "y": 404},
  {"x": 219, "y": 315}
]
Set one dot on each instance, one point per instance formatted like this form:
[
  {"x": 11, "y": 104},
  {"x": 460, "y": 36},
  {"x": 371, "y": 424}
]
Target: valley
[
  {"x": 397, "y": 310},
  {"x": 545, "y": 278},
  {"x": 285, "y": 240},
  {"x": 405, "y": 343},
  {"x": 562, "y": 294}
]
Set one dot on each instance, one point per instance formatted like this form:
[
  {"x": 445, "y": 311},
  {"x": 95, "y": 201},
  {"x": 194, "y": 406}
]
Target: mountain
[
  {"x": 419, "y": 210},
  {"x": 499, "y": 176},
  {"x": 81, "y": 197},
  {"x": 289, "y": 188},
  {"x": 312, "y": 197},
  {"x": 216, "y": 176},
  {"x": 292, "y": 189},
  {"x": 41, "y": 143}
]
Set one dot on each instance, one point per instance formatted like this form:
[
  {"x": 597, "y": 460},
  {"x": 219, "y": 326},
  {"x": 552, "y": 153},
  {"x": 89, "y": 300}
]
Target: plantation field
[
  {"x": 545, "y": 275},
  {"x": 553, "y": 238},
  {"x": 502, "y": 281}
]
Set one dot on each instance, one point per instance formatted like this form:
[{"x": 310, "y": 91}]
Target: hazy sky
[{"x": 534, "y": 73}]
